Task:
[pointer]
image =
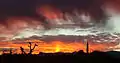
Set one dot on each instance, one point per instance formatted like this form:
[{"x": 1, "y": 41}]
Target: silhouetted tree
[
  {"x": 30, "y": 47},
  {"x": 22, "y": 50},
  {"x": 10, "y": 51},
  {"x": 3, "y": 52}
]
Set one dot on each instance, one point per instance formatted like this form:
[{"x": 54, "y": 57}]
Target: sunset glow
[
  {"x": 56, "y": 29},
  {"x": 54, "y": 46}
]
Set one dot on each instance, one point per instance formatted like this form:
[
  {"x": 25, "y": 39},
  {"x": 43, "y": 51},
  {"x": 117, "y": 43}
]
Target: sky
[{"x": 23, "y": 19}]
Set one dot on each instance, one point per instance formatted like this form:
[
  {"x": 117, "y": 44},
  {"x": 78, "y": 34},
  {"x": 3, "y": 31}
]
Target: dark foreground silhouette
[{"x": 75, "y": 57}]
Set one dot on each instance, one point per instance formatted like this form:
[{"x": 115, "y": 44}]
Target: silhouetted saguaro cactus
[
  {"x": 87, "y": 47},
  {"x": 30, "y": 47}
]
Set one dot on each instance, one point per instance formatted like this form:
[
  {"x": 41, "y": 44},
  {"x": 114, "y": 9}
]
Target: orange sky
[{"x": 55, "y": 46}]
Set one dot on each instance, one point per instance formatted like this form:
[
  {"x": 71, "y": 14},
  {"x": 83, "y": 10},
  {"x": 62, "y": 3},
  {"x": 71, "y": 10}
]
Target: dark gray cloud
[{"x": 28, "y": 7}]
